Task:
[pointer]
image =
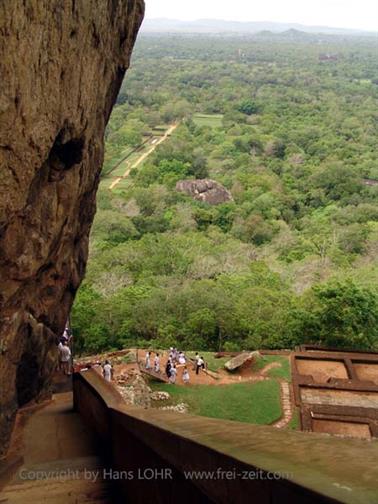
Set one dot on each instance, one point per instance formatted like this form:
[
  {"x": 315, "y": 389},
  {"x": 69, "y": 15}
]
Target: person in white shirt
[
  {"x": 157, "y": 363},
  {"x": 107, "y": 371},
  {"x": 60, "y": 346},
  {"x": 66, "y": 335},
  {"x": 172, "y": 378},
  {"x": 65, "y": 358},
  {"x": 148, "y": 360},
  {"x": 195, "y": 361},
  {"x": 185, "y": 376},
  {"x": 182, "y": 359},
  {"x": 200, "y": 364}
]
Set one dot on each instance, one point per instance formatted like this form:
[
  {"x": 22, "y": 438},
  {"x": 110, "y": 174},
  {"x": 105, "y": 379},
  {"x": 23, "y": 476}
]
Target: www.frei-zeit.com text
[{"x": 147, "y": 474}]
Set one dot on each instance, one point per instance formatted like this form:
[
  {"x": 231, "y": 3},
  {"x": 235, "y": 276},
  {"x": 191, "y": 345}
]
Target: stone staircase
[
  {"x": 70, "y": 481},
  {"x": 58, "y": 462}
]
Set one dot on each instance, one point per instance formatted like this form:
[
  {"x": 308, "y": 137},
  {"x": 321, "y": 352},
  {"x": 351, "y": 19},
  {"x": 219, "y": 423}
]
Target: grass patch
[
  {"x": 294, "y": 423},
  {"x": 212, "y": 120},
  {"x": 283, "y": 372},
  {"x": 162, "y": 128},
  {"x": 111, "y": 163},
  {"x": 257, "y": 403},
  {"x": 259, "y": 364},
  {"x": 123, "y": 184},
  {"x": 129, "y": 358},
  {"x": 213, "y": 364}
]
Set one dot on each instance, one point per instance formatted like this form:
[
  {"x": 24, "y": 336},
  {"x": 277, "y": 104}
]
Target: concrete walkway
[{"x": 60, "y": 464}]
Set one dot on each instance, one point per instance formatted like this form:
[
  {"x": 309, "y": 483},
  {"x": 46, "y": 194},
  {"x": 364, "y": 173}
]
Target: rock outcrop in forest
[
  {"x": 61, "y": 66},
  {"x": 206, "y": 190}
]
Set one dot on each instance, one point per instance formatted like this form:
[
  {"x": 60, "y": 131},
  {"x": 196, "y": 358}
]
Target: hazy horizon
[{"x": 347, "y": 14}]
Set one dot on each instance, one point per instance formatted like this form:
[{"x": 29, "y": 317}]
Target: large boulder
[
  {"x": 62, "y": 63},
  {"x": 206, "y": 190},
  {"x": 241, "y": 359}
]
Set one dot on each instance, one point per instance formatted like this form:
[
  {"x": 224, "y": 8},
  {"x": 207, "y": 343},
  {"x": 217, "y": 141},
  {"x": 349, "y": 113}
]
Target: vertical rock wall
[{"x": 61, "y": 66}]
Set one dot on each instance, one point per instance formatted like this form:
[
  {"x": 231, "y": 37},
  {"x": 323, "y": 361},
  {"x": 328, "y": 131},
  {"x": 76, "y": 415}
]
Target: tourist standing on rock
[
  {"x": 182, "y": 358},
  {"x": 148, "y": 360},
  {"x": 172, "y": 378},
  {"x": 168, "y": 368},
  {"x": 185, "y": 376},
  {"x": 157, "y": 363},
  {"x": 65, "y": 358},
  {"x": 200, "y": 364},
  {"x": 107, "y": 371},
  {"x": 174, "y": 355},
  {"x": 195, "y": 362}
]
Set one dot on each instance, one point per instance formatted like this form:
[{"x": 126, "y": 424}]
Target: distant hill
[{"x": 163, "y": 25}]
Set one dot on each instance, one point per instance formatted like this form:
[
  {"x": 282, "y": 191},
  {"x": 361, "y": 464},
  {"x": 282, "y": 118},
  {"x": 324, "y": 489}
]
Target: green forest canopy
[{"x": 292, "y": 134}]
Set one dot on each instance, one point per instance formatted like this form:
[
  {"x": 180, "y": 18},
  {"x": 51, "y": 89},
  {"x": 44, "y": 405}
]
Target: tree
[
  {"x": 353, "y": 239},
  {"x": 89, "y": 327},
  {"x": 248, "y": 107},
  {"x": 340, "y": 315},
  {"x": 201, "y": 328},
  {"x": 337, "y": 180}
]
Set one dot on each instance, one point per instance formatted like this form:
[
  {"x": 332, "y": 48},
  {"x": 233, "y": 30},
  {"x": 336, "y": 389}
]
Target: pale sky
[{"x": 360, "y": 14}]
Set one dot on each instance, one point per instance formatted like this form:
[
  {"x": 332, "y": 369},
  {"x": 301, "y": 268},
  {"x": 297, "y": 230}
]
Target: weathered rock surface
[
  {"x": 160, "y": 396},
  {"x": 240, "y": 360},
  {"x": 205, "y": 190},
  {"x": 137, "y": 392},
  {"x": 61, "y": 65},
  {"x": 178, "y": 408}
]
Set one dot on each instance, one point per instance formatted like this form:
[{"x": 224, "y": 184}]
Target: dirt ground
[
  {"x": 367, "y": 372},
  {"x": 348, "y": 429},
  {"x": 321, "y": 370},
  {"x": 221, "y": 377},
  {"x": 357, "y": 399}
]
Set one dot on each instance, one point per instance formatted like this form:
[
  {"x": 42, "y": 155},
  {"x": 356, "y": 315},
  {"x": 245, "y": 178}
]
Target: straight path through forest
[{"x": 144, "y": 156}]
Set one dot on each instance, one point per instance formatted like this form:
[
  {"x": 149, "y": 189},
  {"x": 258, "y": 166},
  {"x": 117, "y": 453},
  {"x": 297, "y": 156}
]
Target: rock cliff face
[{"x": 61, "y": 65}]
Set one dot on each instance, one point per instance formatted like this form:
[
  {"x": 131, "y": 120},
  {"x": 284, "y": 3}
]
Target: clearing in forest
[
  {"x": 138, "y": 156},
  {"x": 212, "y": 120}
]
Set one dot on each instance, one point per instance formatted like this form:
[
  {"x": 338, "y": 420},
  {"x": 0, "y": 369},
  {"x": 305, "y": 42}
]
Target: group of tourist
[
  {"x": 107, "y": 369},
  {"x": 156, "y": 362},
  {"x": 177, "y": 359},
  {"x": 171, "y": 372},
  {"x": 65, "y": 357}
]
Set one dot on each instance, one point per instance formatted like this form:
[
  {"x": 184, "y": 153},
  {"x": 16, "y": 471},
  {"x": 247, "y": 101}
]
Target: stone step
[{"x": 56, "y": 491}]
